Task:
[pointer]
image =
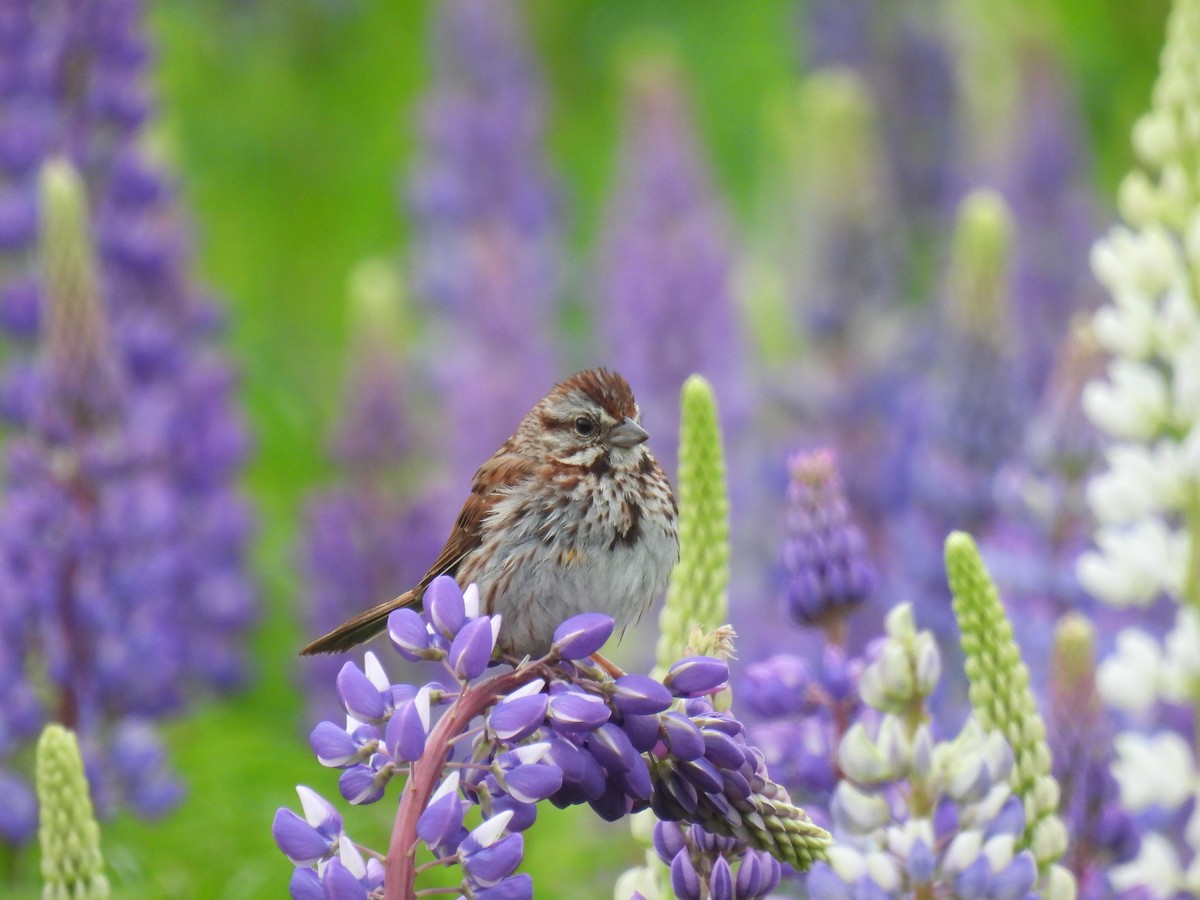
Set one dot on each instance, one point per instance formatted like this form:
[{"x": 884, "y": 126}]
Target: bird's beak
[{"x": 628, "y": 434}]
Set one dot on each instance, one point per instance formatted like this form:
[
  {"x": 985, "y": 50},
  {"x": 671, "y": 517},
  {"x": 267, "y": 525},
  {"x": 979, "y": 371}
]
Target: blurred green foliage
[{"x": 291, "y": 124}]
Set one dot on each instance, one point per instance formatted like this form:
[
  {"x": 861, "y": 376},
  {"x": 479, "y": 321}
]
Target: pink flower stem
[{"x": 400, "y": 869}]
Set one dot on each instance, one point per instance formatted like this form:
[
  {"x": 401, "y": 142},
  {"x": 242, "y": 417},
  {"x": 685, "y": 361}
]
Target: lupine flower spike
[
  {"x": 1146, "y": 500},
  {"x": 72, "y": 867},
  {"x": 1001, "y": 700},
  {"x": 555, "y": 728}
]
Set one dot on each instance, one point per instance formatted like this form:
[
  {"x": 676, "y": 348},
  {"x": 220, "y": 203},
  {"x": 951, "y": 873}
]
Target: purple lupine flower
[
  {"x": 120, "y": 475},
  {"x": 702, "y": 864},
  {"x": 487, "y": 225},
  {"x": 553, "y": 729},
  {"x": 826, "y": 571},
  {"x": 664, "y": 300},
  {"x": 837, "y": 33}
]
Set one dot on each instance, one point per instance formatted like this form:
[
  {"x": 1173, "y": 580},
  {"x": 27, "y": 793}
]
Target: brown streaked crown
[{"x": 605, "y": 387}]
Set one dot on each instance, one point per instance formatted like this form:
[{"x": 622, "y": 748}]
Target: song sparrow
[{"x": 572, "y": 514}]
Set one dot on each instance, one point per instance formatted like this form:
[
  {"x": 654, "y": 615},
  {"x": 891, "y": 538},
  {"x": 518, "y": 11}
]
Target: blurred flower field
[{"x": 275, "y": 278}]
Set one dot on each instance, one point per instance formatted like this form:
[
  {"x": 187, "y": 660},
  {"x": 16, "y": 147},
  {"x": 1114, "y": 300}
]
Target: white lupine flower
[
  {"x": 1153, "y": 770},
  {"x": 1156, "y": 869},
  {"x": 1138, "y": 481},
  {"x": 1128, "y": 679},
  {"x": 1131, "y": 564},
  {"x": 1180, "y": 670},
  {"x": 1126, "y": 329},
  {"x": 1133, "y": 404}
]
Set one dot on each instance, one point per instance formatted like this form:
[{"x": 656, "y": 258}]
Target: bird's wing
[{"x": 494, "y": 479}]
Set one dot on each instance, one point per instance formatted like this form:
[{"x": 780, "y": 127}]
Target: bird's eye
[{"x": 584, "y": 426}]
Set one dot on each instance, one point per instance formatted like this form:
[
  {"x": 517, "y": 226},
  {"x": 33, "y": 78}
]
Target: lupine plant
[
  {"x": 804, "y": 702},
  {"x": 555, "y": 728},
  {"x": 971, "y": 817},
  {"x": 1146, "y": 500}
]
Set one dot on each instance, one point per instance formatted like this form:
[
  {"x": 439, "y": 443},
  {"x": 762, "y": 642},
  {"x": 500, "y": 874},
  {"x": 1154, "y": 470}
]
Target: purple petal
[
  {"x": 519, "y": 887},
  {"x": 471, "y": 650},
  {"x": 722, "y": 750},
  {"x": 408, "y": 633},
  {"x": 360, "y": 697},
  {"x": 332, "y": 745},
  {"x": 530, "y": 784},
  {"x": 684, "y": 880},
  {"x": 668, "y": 840},
  {"x": 523, "y": 814},
  {"x": 696, "y": 675},
  {"x": 1016, "y": 879},
  {"x": 299, "y": 841},
  {"x": 581, "y": 636},
  {"x": 644, "y": 731},
  {"x": 635, "y": 782},
  {"x": 407, "y": 729},
  {"x": 612, "y": 749},
  {"x": 305, "y": 884},
  {"x": 683, "y": 738},
  {"x": 702, "y": 774},
  {"x": 340, "y": 884},
  {"x": 720, "y": 881},
  {"x": 491, "y": 865},
  {"x": 750, "y": 876},
  {"x": 359, "y": 785},
  {"x": 444, "y": 605},
  {"x": 572, "y": 711},
  {"x": 442, "y": 820},
  {"x": 578, "y": 766},
  {"x": 512, "y": 720},
  {"x": 640, "y": 695}
]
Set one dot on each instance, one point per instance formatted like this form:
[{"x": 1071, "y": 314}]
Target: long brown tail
[{"x": 361, "y": 628}]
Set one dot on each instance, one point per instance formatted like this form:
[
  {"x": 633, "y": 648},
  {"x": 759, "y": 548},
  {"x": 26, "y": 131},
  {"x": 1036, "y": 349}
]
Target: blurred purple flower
[
  {"x": 487, "y": 226},
  {"x": 122, "y": 535},
  {"x": 664, "y": 300}
]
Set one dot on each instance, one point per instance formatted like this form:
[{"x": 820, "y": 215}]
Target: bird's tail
[{"x": 361, "y": 628}]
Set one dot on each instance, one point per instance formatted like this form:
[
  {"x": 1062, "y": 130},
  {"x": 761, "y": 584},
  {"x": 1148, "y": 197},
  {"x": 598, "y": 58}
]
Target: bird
[{"x": 572, "y": 514}]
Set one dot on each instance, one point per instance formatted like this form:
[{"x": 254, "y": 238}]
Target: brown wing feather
[{"x": 494, "y": 477}]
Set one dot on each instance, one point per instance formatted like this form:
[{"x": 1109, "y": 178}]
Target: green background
[{"x": 289, "y": 124}]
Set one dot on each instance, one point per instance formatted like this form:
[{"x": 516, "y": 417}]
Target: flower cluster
[
  {"x": 824, "y": 555},
  {"x": 123, "y": 534},
  {"x": 706, "y": 866},
  {"x": 555, "y": 728},
  {"x": 1146, "y": 500},
  {"x": 915, "y": 816}
]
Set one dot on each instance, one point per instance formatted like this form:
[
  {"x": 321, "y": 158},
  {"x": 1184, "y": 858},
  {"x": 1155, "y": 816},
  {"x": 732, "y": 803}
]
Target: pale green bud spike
[
  {"x": 979, "y": 269},
  {"x": 77, "y": 339},
  {"x": 72, "y": 867},
  {"x": 1000, "y": 695},
  {"x": 697, "y": 595},
  {"x": 377, "y": 304},
  {"x": 1166, "y": 139},
  {"x": 838, "y": 143},
  {"x": 1074, "y": 653}
]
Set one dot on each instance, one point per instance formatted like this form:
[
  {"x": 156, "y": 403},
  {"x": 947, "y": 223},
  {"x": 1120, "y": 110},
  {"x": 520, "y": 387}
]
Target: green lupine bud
[
  {"x": 378, "y": 312},
  {"x": 979, "y": 268},
  {"x": 72, "y": 866},
  {"x": 1000, "y": 694},
  {"x": 839, "y": 146},
  {"x": 697, "y": 595},
  {"x": 77, "y": 340}
]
